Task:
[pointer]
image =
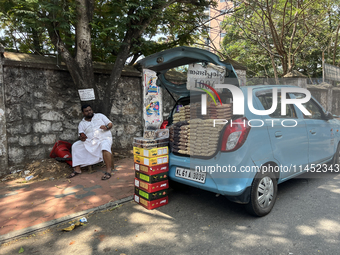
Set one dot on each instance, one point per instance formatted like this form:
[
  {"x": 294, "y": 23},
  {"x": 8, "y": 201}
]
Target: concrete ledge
[
  {"x": 23, "y": 232},
  {"x": 50, "y": 63}
]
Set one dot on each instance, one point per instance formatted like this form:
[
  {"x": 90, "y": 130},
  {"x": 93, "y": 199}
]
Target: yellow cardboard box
[
  {"x": 154, "y": 152},
  {"x": 154, "y": 161}
]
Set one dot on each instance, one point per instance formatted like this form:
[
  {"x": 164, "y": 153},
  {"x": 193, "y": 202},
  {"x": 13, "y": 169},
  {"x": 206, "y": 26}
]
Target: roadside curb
[{"x": 23, "y": 232}]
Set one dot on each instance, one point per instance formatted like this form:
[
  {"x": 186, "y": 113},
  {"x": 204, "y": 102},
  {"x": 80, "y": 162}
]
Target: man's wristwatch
[{"x": 107, "y": 127}]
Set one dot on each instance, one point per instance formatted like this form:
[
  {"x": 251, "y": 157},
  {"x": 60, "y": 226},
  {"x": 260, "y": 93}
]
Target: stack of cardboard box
[{"x": 151, "y": 162}]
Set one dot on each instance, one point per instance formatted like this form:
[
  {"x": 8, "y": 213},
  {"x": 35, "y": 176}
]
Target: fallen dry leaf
[
  {"x": 101, "y": 237},
  {"x": 72, "y": 242}
]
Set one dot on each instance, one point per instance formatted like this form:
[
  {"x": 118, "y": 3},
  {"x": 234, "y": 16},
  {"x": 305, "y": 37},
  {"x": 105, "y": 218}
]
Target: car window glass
[
  {"x": 312, "y": 107},
  {"x": 267, "y": 101}
]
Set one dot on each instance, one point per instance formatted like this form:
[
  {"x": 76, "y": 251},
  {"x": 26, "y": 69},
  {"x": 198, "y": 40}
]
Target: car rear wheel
[{"x": 263, "y": 194}]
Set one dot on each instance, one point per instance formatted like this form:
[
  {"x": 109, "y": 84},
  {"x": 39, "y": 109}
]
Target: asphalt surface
[{"x": 304, "y": 220}]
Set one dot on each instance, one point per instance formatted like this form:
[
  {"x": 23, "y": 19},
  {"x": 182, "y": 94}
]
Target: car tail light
[
  {"x": 235, "y": 134},
  {"x": 164, "y": 124}
]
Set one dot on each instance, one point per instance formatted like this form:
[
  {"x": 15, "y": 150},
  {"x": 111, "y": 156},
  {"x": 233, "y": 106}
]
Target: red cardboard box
[
  {"x": 152, "y": 170},
  {"x": 151, "y": 204},
  {"x": 151, "y": 187}
]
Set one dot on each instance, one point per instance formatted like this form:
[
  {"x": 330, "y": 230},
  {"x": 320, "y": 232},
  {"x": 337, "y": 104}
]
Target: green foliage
[
  {"x": 293, "y": 32},
  {"x": 25, "y": 25},
  {"x": 246, "y": 53},
  {"x": 113, "y": 19}
]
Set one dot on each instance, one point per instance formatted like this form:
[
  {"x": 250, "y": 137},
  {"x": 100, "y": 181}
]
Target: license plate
[{"x": 190, "y": 175}]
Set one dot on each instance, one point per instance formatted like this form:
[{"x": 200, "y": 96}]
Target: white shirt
[
  {"x": 93, "y": 132},
  {"x": 92, "y": 128}
]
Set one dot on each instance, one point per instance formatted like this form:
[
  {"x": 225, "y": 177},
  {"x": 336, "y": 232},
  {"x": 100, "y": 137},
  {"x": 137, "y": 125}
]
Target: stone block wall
[
  {"x": 336, "y": 101},
  {"x": 328, "y": 96},
  {"x": 42, "y": 108},
  {"x": 3, "y": 132},
  {"x": 126, "y": 113}
]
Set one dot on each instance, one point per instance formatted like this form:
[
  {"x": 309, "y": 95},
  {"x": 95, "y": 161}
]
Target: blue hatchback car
[{"x": 254, "y": 153}]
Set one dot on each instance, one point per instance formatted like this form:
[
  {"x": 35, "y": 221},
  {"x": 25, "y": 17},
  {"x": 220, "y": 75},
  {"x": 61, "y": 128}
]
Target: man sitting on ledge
[{"x": 95, "y": 142}]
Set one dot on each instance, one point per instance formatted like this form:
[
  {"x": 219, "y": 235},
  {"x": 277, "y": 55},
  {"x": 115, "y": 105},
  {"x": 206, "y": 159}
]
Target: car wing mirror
[{"x": 328, "y": 116}]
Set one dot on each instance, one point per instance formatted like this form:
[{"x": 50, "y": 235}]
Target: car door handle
[
  {"x": 278, "y": 134},
  {"x": 312, "y": 131}
]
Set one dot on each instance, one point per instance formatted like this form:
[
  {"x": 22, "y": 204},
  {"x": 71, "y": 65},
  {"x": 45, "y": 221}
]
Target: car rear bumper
[{"x": 234, "y": 185}]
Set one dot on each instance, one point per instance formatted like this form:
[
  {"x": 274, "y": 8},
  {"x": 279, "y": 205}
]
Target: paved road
[{"x": 305, "y": 220}]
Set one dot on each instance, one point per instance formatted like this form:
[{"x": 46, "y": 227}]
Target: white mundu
[{"x": 90, "y": 152}]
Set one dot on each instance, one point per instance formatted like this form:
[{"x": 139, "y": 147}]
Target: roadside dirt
[
  {"x": 50, "y": 169},
  {"x": 45, "y": 169}
]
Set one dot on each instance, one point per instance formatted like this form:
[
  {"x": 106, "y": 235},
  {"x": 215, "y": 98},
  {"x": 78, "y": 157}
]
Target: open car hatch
[{"x": 162, "y": 61}]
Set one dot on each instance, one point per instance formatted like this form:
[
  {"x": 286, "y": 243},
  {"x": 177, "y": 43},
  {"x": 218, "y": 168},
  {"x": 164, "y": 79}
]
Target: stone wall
[
  {"x": 242, "y": 76},
  {"x": 327, "y": 95},
  {"x": 297, "y": 81},
  {"x": 336, "y": 101},
  {"x": 3, "y": 133},
  {"x": 40, "y": 106}
]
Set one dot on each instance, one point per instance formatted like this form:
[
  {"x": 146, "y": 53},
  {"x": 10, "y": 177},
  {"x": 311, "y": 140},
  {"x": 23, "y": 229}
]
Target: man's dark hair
[{"x": 85, "y": 106}]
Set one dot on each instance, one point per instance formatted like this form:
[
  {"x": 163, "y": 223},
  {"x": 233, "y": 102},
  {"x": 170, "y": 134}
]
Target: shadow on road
[{"x": 305, "y": 220}]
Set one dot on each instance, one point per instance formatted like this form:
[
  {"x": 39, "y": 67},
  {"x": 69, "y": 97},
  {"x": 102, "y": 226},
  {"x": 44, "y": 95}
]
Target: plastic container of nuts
[
  {"x": 154, "y": 134},
  {"x": 162, "y": 133},
  {"x": 150, "y": 146},
  {"x": 142, "y": 142}
]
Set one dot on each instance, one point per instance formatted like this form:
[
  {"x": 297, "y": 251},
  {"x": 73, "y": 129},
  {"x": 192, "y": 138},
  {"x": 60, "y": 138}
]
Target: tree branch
[{"x": 336, "y": 43}]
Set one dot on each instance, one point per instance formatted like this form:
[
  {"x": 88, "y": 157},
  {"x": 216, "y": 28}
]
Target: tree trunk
[
  {"x": 284, "y": 62},
  {"x": 289, "y": 63},
  {"x": 80, "y": 67},
  {"x": 84, "y": 52},
  {"x": 274, "y": 68},
  {"x": 336, "y": 43},
  {"x": 36, "y": 42},
  {"x": 112, "y": 84}
]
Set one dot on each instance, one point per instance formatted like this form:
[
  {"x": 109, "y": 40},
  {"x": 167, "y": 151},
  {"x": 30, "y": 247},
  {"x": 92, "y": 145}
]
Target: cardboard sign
[
  {"x": 86, "y": 94},
  {"x": 210, "y": 75}
]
